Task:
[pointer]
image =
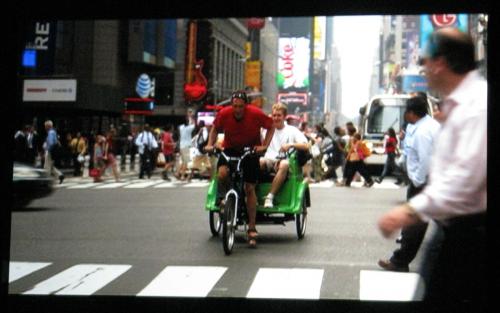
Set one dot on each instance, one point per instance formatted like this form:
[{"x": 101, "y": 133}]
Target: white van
[{"x": 378, "y": 115}]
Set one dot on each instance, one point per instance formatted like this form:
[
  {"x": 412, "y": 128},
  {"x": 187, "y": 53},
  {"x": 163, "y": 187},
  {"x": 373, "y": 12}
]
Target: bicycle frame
[{"x": 236, "y": 183}]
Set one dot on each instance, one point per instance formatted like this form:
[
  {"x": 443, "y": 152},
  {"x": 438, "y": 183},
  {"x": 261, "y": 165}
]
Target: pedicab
[{"x": 229, "y": 214}]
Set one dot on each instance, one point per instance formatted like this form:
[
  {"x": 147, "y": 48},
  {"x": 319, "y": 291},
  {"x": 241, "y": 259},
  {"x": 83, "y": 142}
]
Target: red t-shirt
[
  {"x": 168, "y": 147},
  {"x": 245, "y": 132},
  {"x": 390, "y": 145}
]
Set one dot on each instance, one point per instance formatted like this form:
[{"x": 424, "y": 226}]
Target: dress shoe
[
  {"x": 378, "y": 180},
  {"x": 389, "y": 266}
]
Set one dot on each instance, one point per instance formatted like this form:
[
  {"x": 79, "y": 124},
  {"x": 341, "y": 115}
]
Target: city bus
[{"x": 378, "y": 115}]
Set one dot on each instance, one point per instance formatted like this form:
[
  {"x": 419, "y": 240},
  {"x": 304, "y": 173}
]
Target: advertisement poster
[
  {"x": 293, "y": 63},
  {"x": 429, "y": 23}
]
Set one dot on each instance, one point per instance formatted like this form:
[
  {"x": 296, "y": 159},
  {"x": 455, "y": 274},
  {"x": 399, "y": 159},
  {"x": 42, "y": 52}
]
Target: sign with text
[
  {"x": 293, "y": 63},
  {"x": 293, "y": 98},
  {"x": 41, "y": 40},
  {"x": 44, "y": 90}
]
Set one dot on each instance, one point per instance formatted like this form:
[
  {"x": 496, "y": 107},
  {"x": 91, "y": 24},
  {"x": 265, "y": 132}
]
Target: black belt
[{"x": 465, "y": 221}]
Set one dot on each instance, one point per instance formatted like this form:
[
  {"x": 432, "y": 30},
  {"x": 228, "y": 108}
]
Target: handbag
[
  {"x": 160, "y": 160},
  {"x": 94, "y": 172}
]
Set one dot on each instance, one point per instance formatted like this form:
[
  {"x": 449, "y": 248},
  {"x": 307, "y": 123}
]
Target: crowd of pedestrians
[{"x": 173, "y": 150}]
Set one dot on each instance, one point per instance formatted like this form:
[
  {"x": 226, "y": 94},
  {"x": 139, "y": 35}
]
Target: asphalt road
[{"x": 141, "y": 235}]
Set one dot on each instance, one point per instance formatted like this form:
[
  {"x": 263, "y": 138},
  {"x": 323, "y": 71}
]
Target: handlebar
[{"x": 246, "y": 152}]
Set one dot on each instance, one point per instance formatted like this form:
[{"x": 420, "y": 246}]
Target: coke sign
[{"x": 443, "y": 20}]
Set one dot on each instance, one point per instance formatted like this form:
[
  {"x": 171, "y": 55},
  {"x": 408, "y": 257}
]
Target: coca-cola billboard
[{"x": 293, "y": 63}]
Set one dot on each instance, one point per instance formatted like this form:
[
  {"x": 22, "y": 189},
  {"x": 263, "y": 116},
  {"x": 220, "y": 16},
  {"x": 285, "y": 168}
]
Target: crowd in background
[{"x": 175, "y": 151}]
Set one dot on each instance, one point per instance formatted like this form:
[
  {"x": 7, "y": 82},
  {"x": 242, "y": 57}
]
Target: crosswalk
[
  {"x": 158, "y": 183},
  {"x": 129, "y": 183},
  {"x": 200, "y": 281}
]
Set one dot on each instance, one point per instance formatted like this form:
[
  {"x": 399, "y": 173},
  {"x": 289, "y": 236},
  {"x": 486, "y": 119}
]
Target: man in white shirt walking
[
  {"x": 146, "y": 144},
  {"x": 284, "y": 138},
  {"x": 185, "y": 144},
  {"x": 419, "y": 143},
  {"x": 455, "y": 196}
]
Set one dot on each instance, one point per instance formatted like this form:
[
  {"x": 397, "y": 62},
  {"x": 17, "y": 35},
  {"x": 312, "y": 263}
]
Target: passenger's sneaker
[{"x": 268, "y": 203}]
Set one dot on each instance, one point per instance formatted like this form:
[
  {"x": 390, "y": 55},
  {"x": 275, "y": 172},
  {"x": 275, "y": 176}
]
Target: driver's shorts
[{"x": 250, "y": 166}]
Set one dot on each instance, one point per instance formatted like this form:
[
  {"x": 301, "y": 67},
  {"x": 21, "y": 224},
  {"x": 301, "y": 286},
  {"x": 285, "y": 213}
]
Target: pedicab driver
[
  {"x": 241, "y": 124},
  {"x": 285, "y": 137}
]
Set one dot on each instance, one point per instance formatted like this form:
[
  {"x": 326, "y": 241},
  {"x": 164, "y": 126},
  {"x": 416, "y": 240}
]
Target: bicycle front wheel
[{"x": 228, "y": 224}]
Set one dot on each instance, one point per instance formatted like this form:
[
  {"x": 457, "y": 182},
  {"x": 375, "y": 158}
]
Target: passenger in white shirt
[
  {"x": 284, "y": 138},
  {"x": 455, "y": 196}
]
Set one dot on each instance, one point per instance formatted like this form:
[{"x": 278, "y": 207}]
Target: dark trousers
[
  {"x": 77, "y": 166},
  {"x": 454, "y": 266},
  {"x": 351, "y": 167},
  {"x": 146, "y": 165},
  {"x": 411, "y": 236}
]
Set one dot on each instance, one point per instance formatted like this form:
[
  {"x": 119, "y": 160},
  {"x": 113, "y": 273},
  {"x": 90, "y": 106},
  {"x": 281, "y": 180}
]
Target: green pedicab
[{"x": 290, "y": 204}]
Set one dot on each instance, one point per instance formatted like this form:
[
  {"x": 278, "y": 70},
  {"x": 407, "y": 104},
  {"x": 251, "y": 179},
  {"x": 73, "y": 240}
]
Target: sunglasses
[{"x": 240, "y": 95}]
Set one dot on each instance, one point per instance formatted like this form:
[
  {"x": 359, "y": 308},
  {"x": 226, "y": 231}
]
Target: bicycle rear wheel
[{"x": 228, "y": 224}]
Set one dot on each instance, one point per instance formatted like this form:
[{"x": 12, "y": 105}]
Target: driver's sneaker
[{"x": 268, "y": 202}]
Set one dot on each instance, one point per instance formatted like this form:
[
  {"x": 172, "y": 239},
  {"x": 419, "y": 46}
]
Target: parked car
[{"x": 29, "y": 183}]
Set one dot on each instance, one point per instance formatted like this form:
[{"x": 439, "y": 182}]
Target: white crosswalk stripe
[
  {"x": 390, "y": 286},
  {"x": 199, "y": 281},
  {"x": 132, "y": 183},
  {"x": 18, "y": 270},
  {"x": 184, "y": 281},
  {"x": 83, "y": 279},
  {"x": 281, "y": 283}
]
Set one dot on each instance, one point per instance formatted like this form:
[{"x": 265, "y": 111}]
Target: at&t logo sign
[{"x": 145, "y": 86}]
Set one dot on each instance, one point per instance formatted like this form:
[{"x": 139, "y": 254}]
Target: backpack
[{"x": 201, "y": 142}]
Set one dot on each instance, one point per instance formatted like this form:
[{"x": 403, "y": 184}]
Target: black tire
[
  {"x": 301, "y": 220},
  {"x": 228, "y": 225},
  {"x": 215, "y": 222}
]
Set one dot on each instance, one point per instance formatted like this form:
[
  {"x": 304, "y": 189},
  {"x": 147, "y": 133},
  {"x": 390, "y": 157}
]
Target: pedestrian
[
  {"x": 122, "y": 145},
  {"x": 146, "y": 143},
  {"x": 419, "y": 145},
  {"x": 185, "y": 144},
  {"x": 109, "y": 153},
  {"x": 51, "y": 145},
  {"x": 350, "y": 131},
  {"x": 358, "y": 151},
  {"x": 132, "y": 147},
  {"x": 201, "y": 160},
  {"x": 167, "y": 147},
  {"x": 307, "y": 167},
  {"x": 78, "y": 148},
  {"x": 98, "y": 157},
  {"x": 455, "y": 196},
  {"x": 390, "y": 147},
  {"x": 338, "y": 155},
  {"x": 21, "y": 145},
  {"x": 317, "y": 153}
]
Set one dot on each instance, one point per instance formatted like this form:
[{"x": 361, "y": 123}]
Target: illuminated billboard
[
  {"x": 293, "y": 63},
  {"x": 429, "y": 23}
]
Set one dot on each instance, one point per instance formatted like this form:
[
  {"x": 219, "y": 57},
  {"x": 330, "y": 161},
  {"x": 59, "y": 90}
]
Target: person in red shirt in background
[
  {"x": 391, "y": 144},
  {"x": 168, "y": 148},
  {"x": 241, "y": 125}
]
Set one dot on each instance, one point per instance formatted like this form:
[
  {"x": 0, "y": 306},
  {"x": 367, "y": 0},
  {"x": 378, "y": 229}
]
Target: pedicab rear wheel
[
  {"x": 301, "y": 220},
  {"x": 215, "y": 222}
]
